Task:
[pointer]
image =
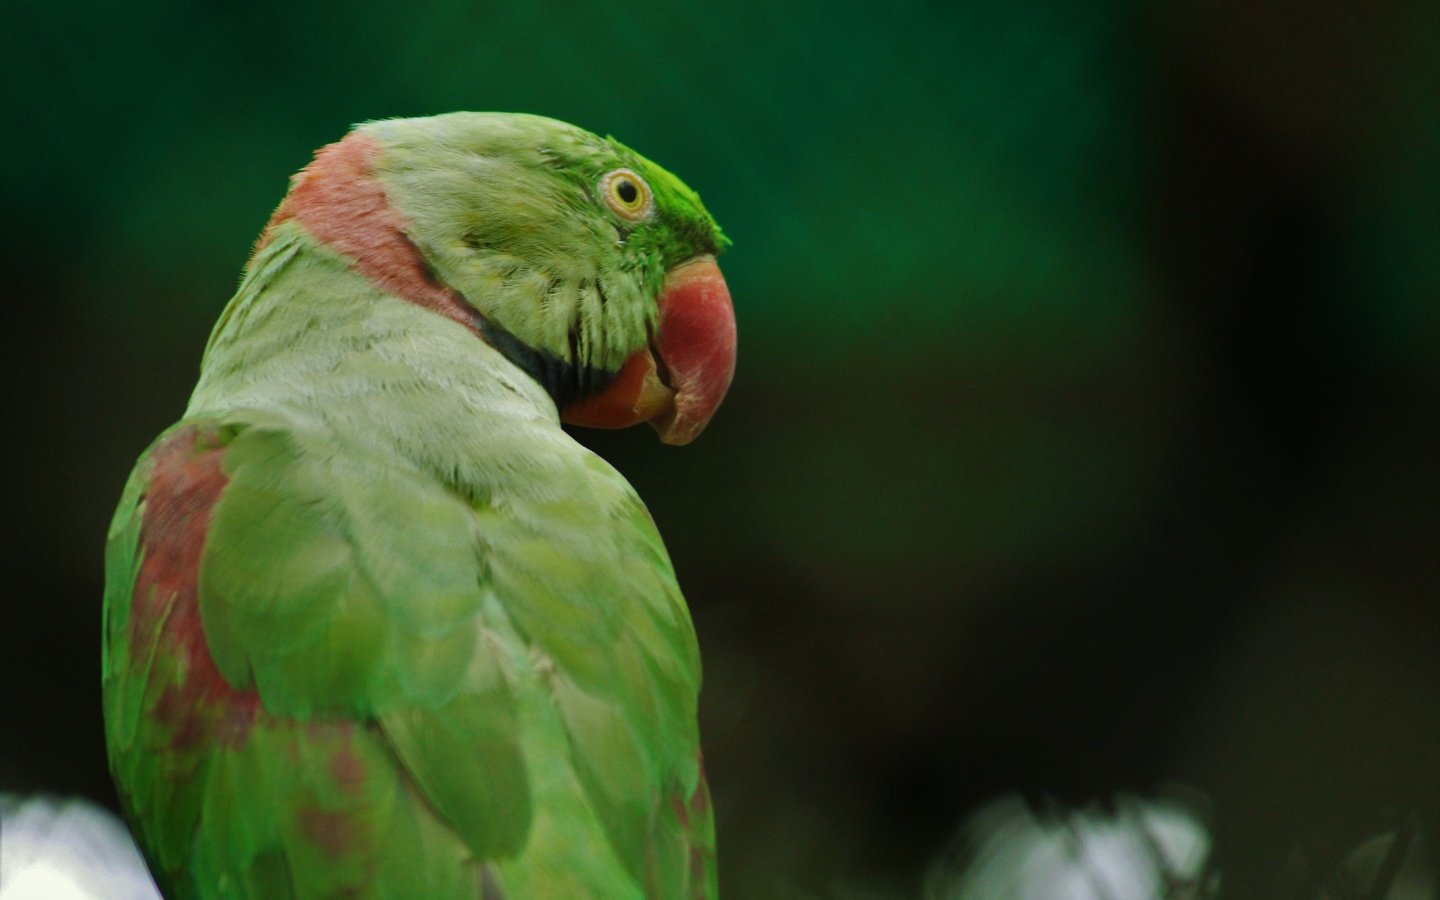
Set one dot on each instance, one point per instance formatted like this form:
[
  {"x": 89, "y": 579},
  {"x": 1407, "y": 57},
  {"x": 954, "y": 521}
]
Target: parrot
[{"x": 375, "y": 624}]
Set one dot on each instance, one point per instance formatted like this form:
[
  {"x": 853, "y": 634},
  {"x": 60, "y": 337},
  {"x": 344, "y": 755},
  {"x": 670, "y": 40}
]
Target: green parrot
[{"x": 375, "y": 625}]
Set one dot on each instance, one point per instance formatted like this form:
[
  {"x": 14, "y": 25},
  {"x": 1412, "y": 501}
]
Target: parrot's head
[{"x": 585, "y": 264}]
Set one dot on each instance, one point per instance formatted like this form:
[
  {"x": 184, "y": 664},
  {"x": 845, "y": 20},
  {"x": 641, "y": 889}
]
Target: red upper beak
[{"x": 695, "y": 342}]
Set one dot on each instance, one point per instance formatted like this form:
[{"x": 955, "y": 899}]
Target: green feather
[{"x": 455, "y": 658}]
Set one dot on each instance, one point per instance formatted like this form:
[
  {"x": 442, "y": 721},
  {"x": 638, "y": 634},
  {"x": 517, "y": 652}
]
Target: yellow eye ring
[{"x": 627, "y": 194}]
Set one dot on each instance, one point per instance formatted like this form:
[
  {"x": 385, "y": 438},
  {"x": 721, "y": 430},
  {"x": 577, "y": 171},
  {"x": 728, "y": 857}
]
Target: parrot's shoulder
[
  {"x": 153, "y": 554},
  {"x": 250, "y": 654}
]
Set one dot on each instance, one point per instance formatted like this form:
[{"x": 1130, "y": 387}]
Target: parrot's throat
[{"x": 340, "y": 201}]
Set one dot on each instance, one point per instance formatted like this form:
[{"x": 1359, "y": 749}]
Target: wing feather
[{"x": 325, "y": 673}]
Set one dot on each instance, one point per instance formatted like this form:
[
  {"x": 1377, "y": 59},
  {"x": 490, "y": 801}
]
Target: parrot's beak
[{"x": 677, "y": 383}]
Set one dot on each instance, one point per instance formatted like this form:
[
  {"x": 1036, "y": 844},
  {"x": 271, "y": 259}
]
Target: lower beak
[{"x": 678, "y": 392}]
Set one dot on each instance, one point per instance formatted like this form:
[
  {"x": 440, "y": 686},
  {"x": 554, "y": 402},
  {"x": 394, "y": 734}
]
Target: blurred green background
[{"x": 1085, "y": 431}]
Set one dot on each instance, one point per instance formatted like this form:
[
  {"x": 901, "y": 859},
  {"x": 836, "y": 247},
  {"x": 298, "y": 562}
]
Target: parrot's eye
[{"x": 627, "y": 194}]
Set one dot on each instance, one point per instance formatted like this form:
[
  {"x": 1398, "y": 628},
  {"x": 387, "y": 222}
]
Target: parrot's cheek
[{"x": 695, "y": 345}]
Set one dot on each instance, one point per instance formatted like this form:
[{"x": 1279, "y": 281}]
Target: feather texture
[{"x": 376, "y": 626}]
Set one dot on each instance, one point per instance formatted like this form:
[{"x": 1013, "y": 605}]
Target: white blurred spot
[
  {"x": 1141, "y": 850},
  {"x": 67, "y": 850}
]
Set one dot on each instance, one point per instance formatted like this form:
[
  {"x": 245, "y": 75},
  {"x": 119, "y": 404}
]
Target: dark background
[{"x": 1084, "y": 437}]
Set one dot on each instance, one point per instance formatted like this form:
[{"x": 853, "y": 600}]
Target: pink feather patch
[
  {"x": 198, "y": 704},
  {"x": 341, "y": 202}
]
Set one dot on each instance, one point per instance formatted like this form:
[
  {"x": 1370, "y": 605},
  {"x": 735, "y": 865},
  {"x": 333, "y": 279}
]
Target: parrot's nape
[{"x": 375, "y": 625}]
